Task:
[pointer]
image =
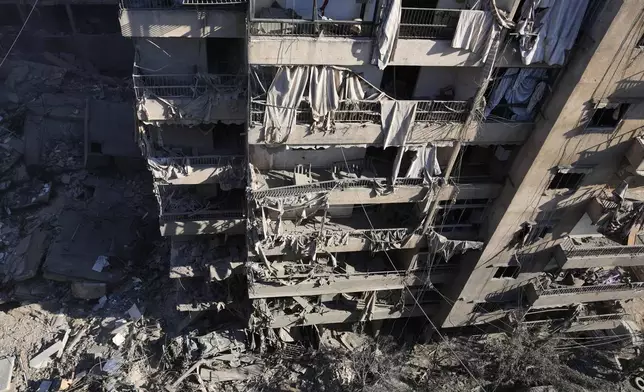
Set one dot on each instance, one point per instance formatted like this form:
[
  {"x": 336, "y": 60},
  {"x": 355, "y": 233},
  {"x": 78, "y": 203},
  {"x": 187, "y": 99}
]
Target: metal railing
[
  {"x": 589, "y": 289},
  {"x": 575, "y": 251},
  {"x": 602, "y": 317},
  {"x": 322, "y": 186},
  {"x": 172, "y": 4},
  {"x": 208, "y": 160},
  {"x": 369, "y": 112},
  {"x": 184, "y": 85},
  {"x": 311, "y": 28},
  {"x": 428, "y": 23},
  {"x": 207, "y": 215}
]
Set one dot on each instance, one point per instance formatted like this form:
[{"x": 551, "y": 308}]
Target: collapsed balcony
[
  {"x": 324, "y": 105},
  {"x": 215, "y": 257},
  {"x": 575, "y": 318},
  {"x": 344, "y": 273},
  {"x": 179, "y": 155},
  {"x": 190, "y": 99},
  {"x": 347, "y": 307},
  {"x": 203, "y": 209},
  {"x": 580, "y": 286},
  {"x": 609, "y": 234}
]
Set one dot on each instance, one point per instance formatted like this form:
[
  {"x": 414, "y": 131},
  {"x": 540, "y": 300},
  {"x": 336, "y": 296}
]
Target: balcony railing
[
  {"x": 172, "y": 4},
  {"x": 571, "y": 250},
  {"x": 294, "y": 190},
  {"x": 427, "y": 23},
  {"x": 202, "y": 215},
  {"x": 311, "y": 28},
  {"x": 208, "y": 160},
  {"x": 580, "y": 319},
  {"x": 589, "y": 289},
  {"x": 185, "y": 85},
  {"x": 369, "y": 112}
]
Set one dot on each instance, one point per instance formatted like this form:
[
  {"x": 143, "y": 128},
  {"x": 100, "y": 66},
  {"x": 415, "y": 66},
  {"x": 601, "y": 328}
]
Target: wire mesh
[{"x": 184, "y": 85}]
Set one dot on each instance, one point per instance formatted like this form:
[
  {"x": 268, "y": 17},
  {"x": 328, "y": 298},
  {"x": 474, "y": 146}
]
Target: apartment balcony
[
  {"x": 362, "y": 190},
  {"x": 337, "y": 283},
  {"x": 424, "y": 39},
  {"x": 186, "y": 210},
  {"x": 183, "y": 18},
  {"x": 190, "y": 99},
  {"x": 193, "y": 170},
  {"x": 334, "y": 316},
  {"x": 540, "y": 297},
  {"x": 583, "y": 323},
  {"x": 597, "y": 252}
]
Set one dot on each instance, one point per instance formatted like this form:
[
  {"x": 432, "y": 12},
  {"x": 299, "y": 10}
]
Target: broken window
[
  {"x": 569, "y": 177},
  {"x": 509, "y": 272},
  {"x": 608, "y": 115},
  {"x": 461, "y": 215}
]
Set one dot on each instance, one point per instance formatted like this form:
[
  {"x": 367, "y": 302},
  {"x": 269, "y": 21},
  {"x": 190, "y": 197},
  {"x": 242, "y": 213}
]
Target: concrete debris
[
  {"x": 6, "y": 373},
  {"x": 135, "y": 313},
  {"x": 238, "y": 374},
  {"x": 44, "y": 358},
  {"x": 88, "y": 290},
  {"x": 100, "y": 263},
  {"x": 44, "y": 386},
  {"x": 118, "y": 339}
]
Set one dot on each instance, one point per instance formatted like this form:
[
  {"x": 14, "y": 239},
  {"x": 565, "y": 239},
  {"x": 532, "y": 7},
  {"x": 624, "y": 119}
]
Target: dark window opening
[
  {"x": 640, "y": 43},
  {"x": 510, "y": 272},
  {"x": 566, "y": 180},
  {"x": 96, "y": 148},
  {"x": 489, "y": 307},
  {"x": 400, "y": 81},
  {"x": 9, "y": 15},
  {"x": 225, "y": 55},
  {"x": 609, "y": 116},
  {"x": 96, "y": 18}
]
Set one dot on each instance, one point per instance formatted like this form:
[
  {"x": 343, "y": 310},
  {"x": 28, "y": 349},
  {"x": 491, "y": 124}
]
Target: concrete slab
[
  {"x": 82, "y": 239},
  {"x": 6, "y": 372},
  {"x": 26, "y": 260}
]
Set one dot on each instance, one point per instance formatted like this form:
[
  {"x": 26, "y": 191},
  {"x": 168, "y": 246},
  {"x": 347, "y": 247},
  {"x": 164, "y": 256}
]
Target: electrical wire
[
  {"x": 414, "y": 297},
  {"x": 33, "y": 7}
]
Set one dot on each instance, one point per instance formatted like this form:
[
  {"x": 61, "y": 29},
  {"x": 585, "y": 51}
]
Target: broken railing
[
  {"x": 206, "y": 160},
  {"x": 187, "y": 85},
  {"x": 571, "y": 250},
  {"x": 311, "y": 28},
  {"x": 323, "y": 186},
  {"x": 581, "y": 319},
  {"x": 589, "y": 289},
  {"x": 202, "y": 215},
  {"x": 369, "y": 112},
  {"x": 428, "y": 23},
  {"x": 172, "y": 4}
]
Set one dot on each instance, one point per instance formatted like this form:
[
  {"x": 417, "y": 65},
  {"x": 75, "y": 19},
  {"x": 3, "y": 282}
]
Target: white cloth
[
  {"x": 387, "y": 33},
  {"x": 397, "y": 118},
  {"x": 474, "y": 32},
  {"x": 425, "y": 164},
  {"x": 548, "y": 29},
  {"x": 324, "y": 96},
  {"x": 282, "y": 100},
  {"x": 519, "y": 87}
]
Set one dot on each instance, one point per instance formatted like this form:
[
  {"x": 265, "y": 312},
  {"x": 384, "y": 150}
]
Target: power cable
[
  {"x": 33, "y": 7},
  {"x": 414, "y": 297}
]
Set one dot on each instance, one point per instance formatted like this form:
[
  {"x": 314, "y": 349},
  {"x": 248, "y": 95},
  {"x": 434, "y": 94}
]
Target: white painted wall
[
  {"x": 432, "y": 79},
  {"x": 336, "y": 9},
  {"x": 171, "y": 55},
  {"x": 282, "y": 159}
]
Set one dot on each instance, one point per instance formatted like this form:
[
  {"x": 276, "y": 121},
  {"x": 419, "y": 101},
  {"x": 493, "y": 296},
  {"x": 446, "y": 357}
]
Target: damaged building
[{"x": 324, "y": 161}]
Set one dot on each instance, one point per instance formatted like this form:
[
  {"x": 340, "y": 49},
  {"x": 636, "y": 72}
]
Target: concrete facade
[{"x": 322, "y": 199}]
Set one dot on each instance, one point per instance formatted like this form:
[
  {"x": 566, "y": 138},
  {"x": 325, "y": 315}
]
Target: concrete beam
[
  {"x": 185, "y": 23},
  {"x": 342, "y": 284},
  {"x": 331, "y": 316},
  {"x": 556, "y": 298}
]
